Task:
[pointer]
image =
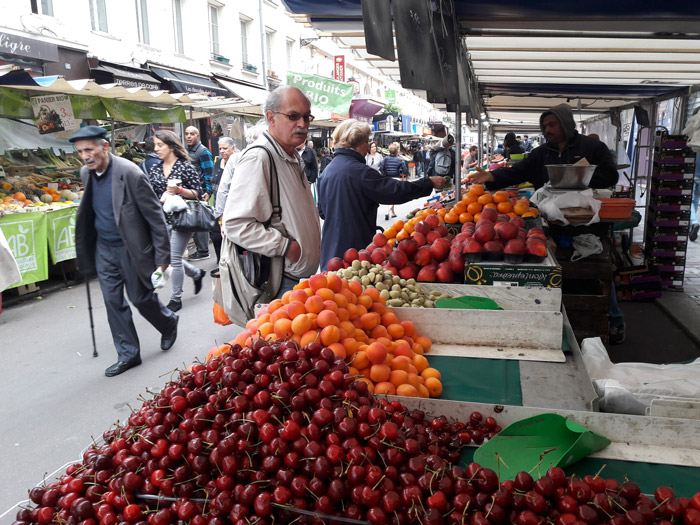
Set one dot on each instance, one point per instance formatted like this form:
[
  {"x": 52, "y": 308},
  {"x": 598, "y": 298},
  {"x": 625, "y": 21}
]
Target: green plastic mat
[
  {"x": 495, "y": 381},
  {"x": 684, "y": 480}
]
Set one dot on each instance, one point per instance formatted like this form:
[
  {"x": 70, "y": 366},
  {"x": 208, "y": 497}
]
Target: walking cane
[{"x": 92, "y": 324}]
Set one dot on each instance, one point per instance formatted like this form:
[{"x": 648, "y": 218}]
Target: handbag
[
  {"x": 248, "y": 278},
  {"x": 197, "y": 217}
]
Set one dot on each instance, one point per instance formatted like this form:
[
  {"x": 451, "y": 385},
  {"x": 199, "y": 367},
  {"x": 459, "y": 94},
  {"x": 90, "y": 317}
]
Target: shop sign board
[
  {"x": 61, "y": 233},
  {"x": 323, "y": 93},
  {"x": 53, "y": 113},
  {"x": 26, "y": 235},
  {"x": 339, "y": 68},
  {"x": 27, "y": 47},
  {"x": 390, "y": 96}
]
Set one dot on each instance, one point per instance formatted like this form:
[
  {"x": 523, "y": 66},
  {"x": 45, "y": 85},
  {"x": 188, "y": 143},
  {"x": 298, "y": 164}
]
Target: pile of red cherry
[{"x": 275, "y": 433}]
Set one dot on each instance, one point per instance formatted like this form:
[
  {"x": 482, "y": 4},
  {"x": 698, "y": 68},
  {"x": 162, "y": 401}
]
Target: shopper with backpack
[
  {"x": 393, "y": 167},
  {"x": 442, "y": 156}
]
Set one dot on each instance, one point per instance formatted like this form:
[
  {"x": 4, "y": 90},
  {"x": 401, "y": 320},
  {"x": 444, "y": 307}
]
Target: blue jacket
[
  {"x": 349, "y": 194},
  {"x": 393, "y": 166}
]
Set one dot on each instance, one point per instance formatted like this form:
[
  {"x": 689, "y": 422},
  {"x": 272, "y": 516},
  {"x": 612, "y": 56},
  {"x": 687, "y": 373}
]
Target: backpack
[{"x": 443, "y": 163}]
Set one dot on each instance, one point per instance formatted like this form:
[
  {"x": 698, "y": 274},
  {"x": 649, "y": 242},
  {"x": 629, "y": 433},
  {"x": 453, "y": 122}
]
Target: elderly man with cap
[{"x": 121, "y": 237}]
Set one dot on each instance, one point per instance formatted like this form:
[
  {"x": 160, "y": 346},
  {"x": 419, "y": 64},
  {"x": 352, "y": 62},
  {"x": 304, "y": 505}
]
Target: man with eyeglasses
[{"x": 248, "y": 215}]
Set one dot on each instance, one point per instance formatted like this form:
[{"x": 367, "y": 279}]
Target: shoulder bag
[
  {"x": 197, "y": 217},
  {"x": 249, "y": 278}
]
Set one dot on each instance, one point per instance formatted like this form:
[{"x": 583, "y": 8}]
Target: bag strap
[{"x": 274, "y": 188}]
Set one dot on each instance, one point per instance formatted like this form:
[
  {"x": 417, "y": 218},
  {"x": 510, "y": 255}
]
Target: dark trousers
[
  {"x": 115, "y": 272},
  {"x": 288, "y": 283},
  {"x": 201, "y": 241},
  {"x": 215, "y": 236}
]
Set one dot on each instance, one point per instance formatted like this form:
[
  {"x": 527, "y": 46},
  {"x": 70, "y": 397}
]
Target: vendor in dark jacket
[
  {"x": 350, "y": 192},
  {"x": 564, "y": 146}
]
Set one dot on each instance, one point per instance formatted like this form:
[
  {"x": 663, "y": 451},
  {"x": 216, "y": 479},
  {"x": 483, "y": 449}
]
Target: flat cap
[{"x": 89, "y": 132}]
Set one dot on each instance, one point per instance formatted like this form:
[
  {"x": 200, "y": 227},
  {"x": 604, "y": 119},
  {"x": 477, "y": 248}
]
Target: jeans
[
  {"x": 178, "y": 246},
  {"x": 287, "y": 284},
  {"x": 201, "y": 241}
]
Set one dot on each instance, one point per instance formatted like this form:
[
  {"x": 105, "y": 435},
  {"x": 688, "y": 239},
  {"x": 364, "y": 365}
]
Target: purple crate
[{"x": 689, "y": 175}]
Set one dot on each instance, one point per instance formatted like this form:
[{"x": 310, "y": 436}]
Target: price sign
[{"x": 53, "y": 113}]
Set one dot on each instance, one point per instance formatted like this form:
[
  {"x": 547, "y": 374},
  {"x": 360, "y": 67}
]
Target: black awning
[
  {"x": 127, "y": 77},
  {"x": 189, "y": 83}
]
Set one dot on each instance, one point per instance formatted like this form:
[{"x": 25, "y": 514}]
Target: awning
[
  {"x": 365, "y": 107},
  {"x": 56, "y": 84},
  {"x": 189, "y": 83},
  {"x": 130, "y": 77},
  {"x": 254, "y": 95}
]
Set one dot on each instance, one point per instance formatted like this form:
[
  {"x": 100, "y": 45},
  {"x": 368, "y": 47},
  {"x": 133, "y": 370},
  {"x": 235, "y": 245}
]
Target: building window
[
  {"x": 142, "y": 21},
  {"x": 290, "y": 52},
  {"x": 98, "y": 15},
  {"x": 268, "y": 49},
  {"x": 42, "y": 7},
  {"x": 244, "y": 42},
  {"x": 214, "y": 29},
  {"x": 177, "y": 23}
]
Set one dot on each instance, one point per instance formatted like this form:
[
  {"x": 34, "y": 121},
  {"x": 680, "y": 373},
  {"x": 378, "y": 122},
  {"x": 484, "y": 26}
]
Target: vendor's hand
[
  {"x": 293, "y": 252},
  {"x": 438, "y": 182},
  {"x": 480, "y": 176}
]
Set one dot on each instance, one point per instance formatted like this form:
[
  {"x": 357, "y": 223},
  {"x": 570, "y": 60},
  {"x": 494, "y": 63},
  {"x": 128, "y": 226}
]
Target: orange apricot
[
  {"x": 434, "y": 386},
  {"x": 431, "y": 372},
  {"x": 395, "y": 331},
  {"x": 385, "y": 387},
  {"x": 360, "y": 360},
  {"x": 379, "y": 373},
  {"x": 338, "y": 350},
  {"x": 335, "y": 283},
  {"x": 424, "y": 342},
  {"x": 420, "y": 362},
  {"x": 407, "y": 391},
  {"x": 318, "y": 281},
  {"x": 409, "y": 328},
  {"x": 314, "y": 304},
  {"x": 376, "y": 353},
  {"x": 283, "y": 327},
  {"x": 309, "y": 337},
  {"x": 327, "y": 318},
  {"x": 398, "y": 377}
]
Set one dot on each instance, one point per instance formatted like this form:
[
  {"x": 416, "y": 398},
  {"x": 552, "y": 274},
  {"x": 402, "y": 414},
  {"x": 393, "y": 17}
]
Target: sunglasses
[{"x": 296, "y": 116}]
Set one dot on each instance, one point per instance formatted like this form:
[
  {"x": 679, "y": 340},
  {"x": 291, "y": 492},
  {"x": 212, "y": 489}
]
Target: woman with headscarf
[{"x": 350, "y": 193}]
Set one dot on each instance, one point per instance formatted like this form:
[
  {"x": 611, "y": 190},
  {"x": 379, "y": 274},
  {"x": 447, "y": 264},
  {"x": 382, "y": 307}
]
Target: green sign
[
  {"x": 15, "y": 104},
  {"x": 26, "y": 235},
  {"x": 390, "y": 96},
  {"x": 61, "y": 234},
  {"x": 131, "y": 112},
  {"x": 323, "y": 93}
]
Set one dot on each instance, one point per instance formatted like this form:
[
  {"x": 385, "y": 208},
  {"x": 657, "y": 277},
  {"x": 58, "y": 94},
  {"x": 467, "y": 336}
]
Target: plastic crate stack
[{"x": 668, "y": 215}]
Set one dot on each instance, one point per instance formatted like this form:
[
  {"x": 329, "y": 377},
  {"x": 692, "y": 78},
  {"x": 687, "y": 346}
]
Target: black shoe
[
  {"x": 386, "y": 217},
  {"x": 122, "y": 366},
  {"x": 393, "y": 216},
  {"x": 198, "y": 256},
  {"x": 617, "y": 335},
  {"x": 168, "y": 339},
  {"x": 198, "y": 281},
  {"x": 174, "y": 305},
  {"x": 694, "y": 231}
]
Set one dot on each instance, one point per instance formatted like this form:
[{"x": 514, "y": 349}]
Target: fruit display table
[
  {"x": 653, "y": 451},
  {"x": 564, "y": 385}
]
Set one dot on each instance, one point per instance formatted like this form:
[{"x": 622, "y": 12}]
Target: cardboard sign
[{"x": 53, "y": 113}]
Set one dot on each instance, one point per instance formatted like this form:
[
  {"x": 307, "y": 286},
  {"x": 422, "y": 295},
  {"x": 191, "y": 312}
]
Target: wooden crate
[{"x": 529, "y": 327}]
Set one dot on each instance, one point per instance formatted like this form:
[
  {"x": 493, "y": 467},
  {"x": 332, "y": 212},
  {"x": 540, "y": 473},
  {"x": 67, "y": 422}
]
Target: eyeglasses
[{"x": 296, "y": 116}]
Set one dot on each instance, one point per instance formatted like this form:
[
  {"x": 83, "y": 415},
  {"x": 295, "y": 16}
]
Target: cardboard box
[{"x": 547, "y": 274}]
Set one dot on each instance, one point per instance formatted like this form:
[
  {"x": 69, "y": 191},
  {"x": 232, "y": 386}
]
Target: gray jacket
[{"x": 139, "y": 218}]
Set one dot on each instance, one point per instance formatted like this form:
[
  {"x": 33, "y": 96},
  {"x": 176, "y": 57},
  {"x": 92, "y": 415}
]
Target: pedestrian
[
  {"x": 426, "y": 160},
  {"x": 308, "y": 155},
  {"x": 325, "y": 159},
  {"x": 374, "y": 159},
  {"x": 471, "y": 159},
  {"x": 442, "y": 158},
  {"x": 175, "y": 175},
  {"x": 350, "y": 192},
  {"x": 418, "y": 157},
  {"x": 151, "y": 156},
  {"x": 395, "y": 168},
  {"x": 227, "y": 150},
  {"x": 245, "y": 220},
  {"x": 203, "y": 162},
  {"x": 121, "y": 237},
  {"x": 527, "y": 145},
  {"x": 511, "y": 146}
]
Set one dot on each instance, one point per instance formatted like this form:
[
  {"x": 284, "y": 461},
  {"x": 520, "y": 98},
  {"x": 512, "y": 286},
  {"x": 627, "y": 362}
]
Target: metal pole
[
  {"x": 480, "y": 151},
  {"x": 458, "y": 154},
  {"x": 111, "y": 138}
]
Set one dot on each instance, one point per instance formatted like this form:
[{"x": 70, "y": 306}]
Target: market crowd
[{"x": 125, "y": 234}]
